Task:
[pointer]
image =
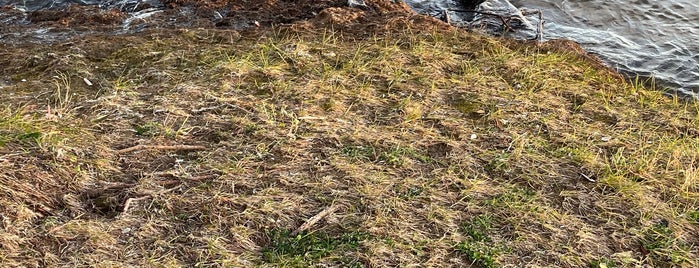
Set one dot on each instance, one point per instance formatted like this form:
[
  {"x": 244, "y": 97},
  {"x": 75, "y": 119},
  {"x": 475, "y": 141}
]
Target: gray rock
[{"x": 357, "y": 4}]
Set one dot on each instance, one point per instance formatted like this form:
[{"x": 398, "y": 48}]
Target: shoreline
[{"x": 48, "y": 26}]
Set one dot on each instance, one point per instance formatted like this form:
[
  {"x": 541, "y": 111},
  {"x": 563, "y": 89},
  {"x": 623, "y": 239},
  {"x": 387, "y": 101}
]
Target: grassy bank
[{"x": 401, "y": 148}]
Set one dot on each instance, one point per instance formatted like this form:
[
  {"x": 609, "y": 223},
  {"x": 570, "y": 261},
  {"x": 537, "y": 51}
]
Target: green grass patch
[
  {"x": 359, "y": 152},
  {"x": 311, "y": 248},
  {"x": 16, "y": 127},
  {"x": 513, "y": 197},
  {"x": 478, "y": 246},
  {"x": 693, "y": 216},
  {"x": 663, "y": 247},
  {"x": 395, "y": 155},
  {"x": 603, "y": 263},
  {"x": 150, "y": 129}
]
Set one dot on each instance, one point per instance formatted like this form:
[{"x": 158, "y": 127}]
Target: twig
[
  {"x": 128, "y": 202},
  {"x": 540, "y": 24},
  {"x": 313, "y": 220},
  {"x": 205, "y": 109},
  {"x": 4, "y": 157},
  {"x": 239, "y": 108},
  {"x": 161, "y": 147},
  {"x": 505, "y": 21},
  {"x": 39, "y": 206},
  {"x": 311, "y": 118},
  {"x": 588, "y": 178}
]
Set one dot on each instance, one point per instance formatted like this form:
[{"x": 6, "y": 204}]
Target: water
[
  {"x": 124, "y": 5},
  {"x": 648, "y": 38}
]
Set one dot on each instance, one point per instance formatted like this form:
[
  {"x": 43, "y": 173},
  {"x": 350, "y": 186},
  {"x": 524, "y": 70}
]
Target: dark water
[
  {"x": 648, "y": 38},
  {"x": 124, "y": 5}
]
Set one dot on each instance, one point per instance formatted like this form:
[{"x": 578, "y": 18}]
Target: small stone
[
  {"x": 357, "y": 4},
  {"x": 474, "y": 136},
  {"x": 87, "y": 82},
  {"x": 606, "y": 138}
]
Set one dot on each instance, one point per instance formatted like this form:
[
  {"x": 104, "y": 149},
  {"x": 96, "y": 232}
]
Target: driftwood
[{"x": 540, "y": 25}]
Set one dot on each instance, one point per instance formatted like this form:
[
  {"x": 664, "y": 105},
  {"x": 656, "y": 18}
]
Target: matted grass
[{"x": 439, "y": 148}]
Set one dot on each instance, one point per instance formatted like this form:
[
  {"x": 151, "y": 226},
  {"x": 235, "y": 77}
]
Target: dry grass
[{"x": 438, "y": 149}]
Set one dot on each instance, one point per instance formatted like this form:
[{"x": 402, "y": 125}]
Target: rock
[
  {"x": 357, "y": 4},
  {"x": 470, "y": 4}
]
